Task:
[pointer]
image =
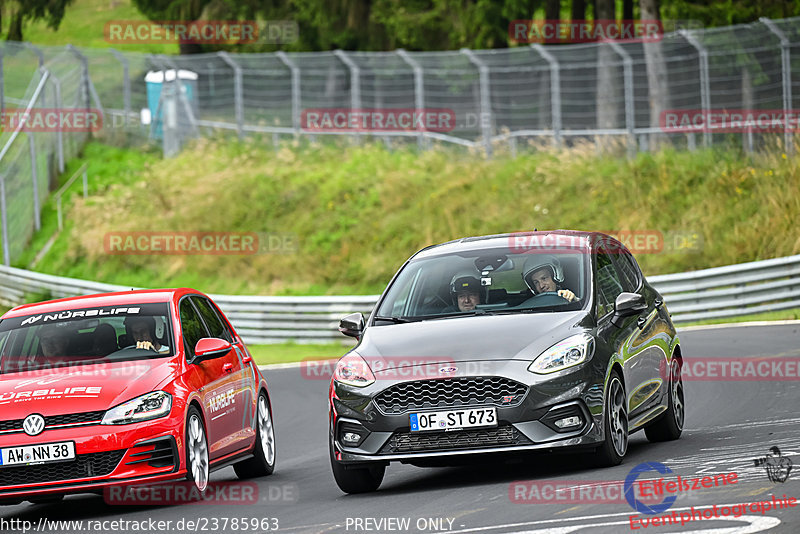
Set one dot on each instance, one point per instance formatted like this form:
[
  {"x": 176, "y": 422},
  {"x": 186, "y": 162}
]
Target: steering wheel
[{"x": 546, "y": 298}]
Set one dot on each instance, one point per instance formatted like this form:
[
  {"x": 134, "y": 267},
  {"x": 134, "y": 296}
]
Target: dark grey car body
[{"x": 484, "y": 361}]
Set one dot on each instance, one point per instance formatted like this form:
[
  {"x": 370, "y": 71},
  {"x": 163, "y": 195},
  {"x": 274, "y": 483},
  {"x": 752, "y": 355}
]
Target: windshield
[
  {"x": 83, "y": 336},
  {"x": 489, "y": 281}
]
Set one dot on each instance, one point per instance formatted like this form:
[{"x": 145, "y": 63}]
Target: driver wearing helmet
[
  {"x": 465, "y": 290},
  {"x": 544, "y": 274}
]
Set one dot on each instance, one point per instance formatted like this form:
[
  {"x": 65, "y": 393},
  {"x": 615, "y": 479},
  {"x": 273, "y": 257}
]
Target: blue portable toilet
[{"x": 155, "y": 79}]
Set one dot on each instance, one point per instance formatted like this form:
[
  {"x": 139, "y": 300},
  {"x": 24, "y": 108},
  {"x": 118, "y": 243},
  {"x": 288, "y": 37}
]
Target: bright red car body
[{"x": 145, "y": 441}]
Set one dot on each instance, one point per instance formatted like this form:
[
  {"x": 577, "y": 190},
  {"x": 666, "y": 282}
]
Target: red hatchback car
[{"x": 135, "y": 387}]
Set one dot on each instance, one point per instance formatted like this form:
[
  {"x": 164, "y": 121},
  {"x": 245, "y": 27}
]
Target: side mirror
[
  {"x": 209, "y": 348},
  {"x": 352, "y": 325},
  {"x": 628, "y": 304}
]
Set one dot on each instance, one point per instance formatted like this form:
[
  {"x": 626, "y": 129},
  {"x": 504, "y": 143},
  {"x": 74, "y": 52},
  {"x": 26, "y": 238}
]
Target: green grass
[
  {"x": 780, "y": 315},
  {"x": 357, "y": 212},
  {"x": 84, "y": 23},
  {"x": 294, "y": 352}
]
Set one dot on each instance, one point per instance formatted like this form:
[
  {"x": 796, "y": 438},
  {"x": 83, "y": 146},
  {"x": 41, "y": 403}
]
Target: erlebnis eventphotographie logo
[{"x": 776, "y": 465}]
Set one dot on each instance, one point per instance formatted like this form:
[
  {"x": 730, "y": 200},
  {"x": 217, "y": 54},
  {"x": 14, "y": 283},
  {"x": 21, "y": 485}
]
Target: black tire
[
  {"x": 263, "y": 461},
  {"x": 197, "y": 465},
  {"x": 615, "y": 419},
  {"x": 669, "y": 426},
  {"x": 356, "y": 480}
]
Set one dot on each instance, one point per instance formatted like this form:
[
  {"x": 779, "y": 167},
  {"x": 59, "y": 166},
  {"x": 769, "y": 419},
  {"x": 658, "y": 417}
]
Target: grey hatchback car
[{"x": 505, "y": 344}]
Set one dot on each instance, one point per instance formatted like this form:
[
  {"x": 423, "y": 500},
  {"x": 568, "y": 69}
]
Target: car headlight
[
  {"x": 567, "y": 353},
  {"x": 149, "y": 406},
  {"x": 353, "y": 371}
]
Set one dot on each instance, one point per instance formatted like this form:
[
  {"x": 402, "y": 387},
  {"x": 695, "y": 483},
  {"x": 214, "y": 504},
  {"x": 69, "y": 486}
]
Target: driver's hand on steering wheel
[
  {"x": 145, "y": 345},
  {"x": 567, "y": 294}
]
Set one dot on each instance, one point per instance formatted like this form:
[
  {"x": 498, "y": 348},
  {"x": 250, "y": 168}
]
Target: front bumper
[
  {"x": 523, "y": 424},
  {"x": 140, "y": 453}
]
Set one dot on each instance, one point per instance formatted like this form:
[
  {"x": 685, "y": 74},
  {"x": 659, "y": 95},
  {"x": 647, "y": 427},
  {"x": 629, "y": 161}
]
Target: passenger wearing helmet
[
  {"x": 465, "y": 290},
  {"x": 143, "y": 331},
  {"x": 544, "y": 274}
]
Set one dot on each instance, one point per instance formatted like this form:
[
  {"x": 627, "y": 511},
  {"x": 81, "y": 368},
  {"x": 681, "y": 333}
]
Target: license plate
[
  {"x": 453, "y": 419},
  {"x": 37, "y": 454}
]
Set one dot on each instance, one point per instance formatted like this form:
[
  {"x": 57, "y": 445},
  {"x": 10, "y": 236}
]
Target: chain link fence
[
  {"x": 614, "y": 94},
  {"x": 610, "y": 93}
]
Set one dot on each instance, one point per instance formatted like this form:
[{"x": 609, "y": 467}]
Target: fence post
[
  {"x": 59, "y": 132},
  {"x": 419, "y": 91},
  {"x": 37, "y": 221},
  {"x": 486, "y": 102},
  {"x": 36, "y": 51},
  {"x": 555, "y": 91},
  {"x": 786, "y": 75},
  {"x": 2, "y": 82},
  {"x": 355, "y": 82},
  {"x": 627, "y": 74},
  {"x": 705, "y": 95},
  {"x": 181, "y": 93},
  {"x": 237, "y": 92},
  {"x": 88, "y": 86},
  {"x": 295, "y": 70},
  {"x": 4, "y": 219},
  {"x": 126, "y": 84}
]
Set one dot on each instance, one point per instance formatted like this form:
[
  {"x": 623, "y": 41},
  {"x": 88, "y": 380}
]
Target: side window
[
  {"x": 192, "y": 326},
  {"x": 631, "y": 275},
  {"x": 212, "y": 319},
  {"x": 609, "y": 285}
]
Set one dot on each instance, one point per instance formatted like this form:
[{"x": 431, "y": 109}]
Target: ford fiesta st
[
  {"x": 507, "y": 343},
  {"x": 126, "y": 388}
]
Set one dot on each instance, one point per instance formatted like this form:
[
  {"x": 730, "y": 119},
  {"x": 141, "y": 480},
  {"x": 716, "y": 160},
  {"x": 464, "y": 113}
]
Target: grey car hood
[{"x": 458, "y": 339}]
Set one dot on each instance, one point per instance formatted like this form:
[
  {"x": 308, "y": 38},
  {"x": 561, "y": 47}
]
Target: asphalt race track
[{"x": 729, "y": 424}]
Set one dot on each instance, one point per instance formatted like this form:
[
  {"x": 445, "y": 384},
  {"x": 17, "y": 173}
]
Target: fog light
[
  {"x": 568, "y": 422},
  {"x": 351, "y": 438}
]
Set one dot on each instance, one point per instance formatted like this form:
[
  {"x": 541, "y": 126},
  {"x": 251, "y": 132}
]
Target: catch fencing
[
  {"x": 729, "y": 291},
  {"x": 501, "y": 100},
  {"x": 552, "y": 94}
]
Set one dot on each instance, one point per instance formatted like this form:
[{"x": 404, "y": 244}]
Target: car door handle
[
  {"x": 227, "y": 368},
  {"x": 247, "y": 359}
]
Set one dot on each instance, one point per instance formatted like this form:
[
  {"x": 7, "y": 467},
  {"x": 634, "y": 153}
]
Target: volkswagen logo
[
  {"x": 448, "y": 370},
  {"x": 33, "y": 424}
]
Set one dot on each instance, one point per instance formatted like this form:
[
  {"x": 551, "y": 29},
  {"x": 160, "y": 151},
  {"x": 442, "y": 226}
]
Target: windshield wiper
[{"x": 395, "y": 320}]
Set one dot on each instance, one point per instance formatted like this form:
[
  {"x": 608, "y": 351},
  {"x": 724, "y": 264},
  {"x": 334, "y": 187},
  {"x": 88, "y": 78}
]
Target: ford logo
[{"x": 448, "y": 370}]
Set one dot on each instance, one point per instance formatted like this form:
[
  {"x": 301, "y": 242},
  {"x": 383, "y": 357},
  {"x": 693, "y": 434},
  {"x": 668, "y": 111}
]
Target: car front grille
[
  {"x": 84, "y": 466},
  {"x": 82, "y": 418},
  {"x": 450, "y": 393},
  {"x": 505, "y": 435}
]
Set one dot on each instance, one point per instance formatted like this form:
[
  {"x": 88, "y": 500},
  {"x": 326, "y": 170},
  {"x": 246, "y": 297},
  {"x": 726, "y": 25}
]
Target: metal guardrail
[{"x": 729, "y": 291}]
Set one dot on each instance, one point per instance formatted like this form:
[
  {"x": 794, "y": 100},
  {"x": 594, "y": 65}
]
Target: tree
[
  {"x": 608, "y": 89},
  {"x": 183, "y": 10},
  {"x": 51, "y": 11},
  {"x": 656, "y": 71}
]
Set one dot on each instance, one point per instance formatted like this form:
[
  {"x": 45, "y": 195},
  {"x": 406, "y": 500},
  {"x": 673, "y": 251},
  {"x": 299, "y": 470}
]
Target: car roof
[
  {"x": 139, "y": 296},
  {"x": 577, "y": 239}
]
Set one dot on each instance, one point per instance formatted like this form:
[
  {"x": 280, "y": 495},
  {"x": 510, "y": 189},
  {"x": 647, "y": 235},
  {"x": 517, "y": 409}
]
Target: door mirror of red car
[{"x": 209, "y": 348}]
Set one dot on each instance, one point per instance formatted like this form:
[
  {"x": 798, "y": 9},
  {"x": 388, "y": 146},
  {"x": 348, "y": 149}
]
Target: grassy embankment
[{"x": 357, "y": 219}]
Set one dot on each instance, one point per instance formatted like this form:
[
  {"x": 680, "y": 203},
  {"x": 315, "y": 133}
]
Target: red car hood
[{"x": 85, "y": 388}]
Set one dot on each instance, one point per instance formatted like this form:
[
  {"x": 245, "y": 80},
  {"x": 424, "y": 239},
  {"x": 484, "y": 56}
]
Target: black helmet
[
  {"x": 539, "y": 261},
  {"x": 464, "y": 282}
]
